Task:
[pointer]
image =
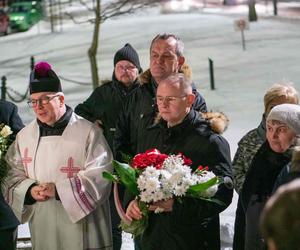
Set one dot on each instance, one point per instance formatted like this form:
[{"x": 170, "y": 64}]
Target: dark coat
[
  {"x": 104, "y": 104},
  {"x": 9, "y": 116},
  {"x": 139, "y": 112},
  {"x": 247, "y": 148},
  {"x": 193, "y": 224},
  {"x": 257, "y": 188}
]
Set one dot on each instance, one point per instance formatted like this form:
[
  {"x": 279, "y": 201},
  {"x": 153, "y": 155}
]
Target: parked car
[
  {"x": 23, "y": 15},
  {"x": 4, "y": 23}
]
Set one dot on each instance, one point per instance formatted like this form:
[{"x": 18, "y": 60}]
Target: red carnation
[
  {"x": 200, "y": 168},
  {"x": 151, "y": 157},
  {"x": 186, "y": 161}
]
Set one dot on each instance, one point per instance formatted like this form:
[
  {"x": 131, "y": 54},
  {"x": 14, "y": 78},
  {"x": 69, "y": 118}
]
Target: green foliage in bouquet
[{"x": 137, "y": 227}]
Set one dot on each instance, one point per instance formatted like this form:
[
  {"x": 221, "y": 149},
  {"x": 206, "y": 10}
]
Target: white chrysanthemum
[
  {"x": 152, "y": 184},
  {"x": 180, "y": 190},
  {"x": 5, "y": 131},
  {"x": 151, "y": 172},
  {"x": 172, "y": 162},
  {"x": 158, "y": 196},
  {"x": 193, "y": 180},
  {"x": 141, "y": 182},
  {"x": 146, "y": 197}
]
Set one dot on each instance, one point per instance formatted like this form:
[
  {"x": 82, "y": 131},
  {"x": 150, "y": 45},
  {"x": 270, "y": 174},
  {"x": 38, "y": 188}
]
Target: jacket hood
[
  {"x": 217, "y": 121},
  {"x": 146, "y": 76}
]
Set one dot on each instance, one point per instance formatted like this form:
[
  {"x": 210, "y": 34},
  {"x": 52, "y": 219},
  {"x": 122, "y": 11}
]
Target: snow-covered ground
[{"x": 241, "y": 77}]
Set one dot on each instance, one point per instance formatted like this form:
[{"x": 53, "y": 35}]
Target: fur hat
[
  {"x": 288, "y": 114},
  {"x": 128, "y": 53},
  {"x": 43, "y": 79}
]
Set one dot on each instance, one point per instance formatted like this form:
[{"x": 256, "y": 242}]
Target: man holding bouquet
[{"x": 186, "y": 223}]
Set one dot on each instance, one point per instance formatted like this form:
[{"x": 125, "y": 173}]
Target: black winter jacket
[
  {"x": 9, "y": 116},
  {"x": 193, "y": 224},
  {"x": 104, "y": 104},
  {"x": 257, "y": 188}
]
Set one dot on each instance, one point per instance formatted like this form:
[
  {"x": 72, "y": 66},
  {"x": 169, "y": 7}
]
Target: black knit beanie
[
  {"x": 43, "y": 79},
  {"x": 128, "y": 53}
]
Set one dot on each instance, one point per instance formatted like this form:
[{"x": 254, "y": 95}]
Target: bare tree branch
[
  {"x": 92, "y": 20},
  {"x": 86, "y": 5}
]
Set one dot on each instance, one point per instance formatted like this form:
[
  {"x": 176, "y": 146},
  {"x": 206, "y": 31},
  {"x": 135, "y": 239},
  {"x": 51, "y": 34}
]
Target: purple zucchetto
[{"x": 44, "y": 79}]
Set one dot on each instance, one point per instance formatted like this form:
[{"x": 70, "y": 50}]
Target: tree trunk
[
  {"x": 92, "y": 52},
  {"x": 275, "y": 7},
  {"x": 252, "y": 11}
]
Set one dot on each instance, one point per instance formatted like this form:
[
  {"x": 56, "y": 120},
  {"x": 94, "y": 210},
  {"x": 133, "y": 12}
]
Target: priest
[{"x": 55, "y": 182}]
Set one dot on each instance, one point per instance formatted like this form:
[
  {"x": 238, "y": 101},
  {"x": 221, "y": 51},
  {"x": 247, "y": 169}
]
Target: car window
[{"x": 18, "y": 9}]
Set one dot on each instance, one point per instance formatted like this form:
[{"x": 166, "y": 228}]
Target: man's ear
[
  {"x": 61, "y": 99},
  {"x": 181, "y": 60},
  {"x": 190, "y": 99}
]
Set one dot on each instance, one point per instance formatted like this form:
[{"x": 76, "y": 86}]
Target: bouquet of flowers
[
  {"x": 5, "y": 131},
  {"x": 153, "y": 177}
]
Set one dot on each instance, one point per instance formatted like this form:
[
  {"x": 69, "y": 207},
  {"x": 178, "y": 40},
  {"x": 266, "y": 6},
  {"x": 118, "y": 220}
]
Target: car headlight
[{"x": 18, "y": 18}]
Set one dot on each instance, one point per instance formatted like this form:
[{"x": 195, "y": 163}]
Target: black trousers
[{"x": 8, "y": 239}]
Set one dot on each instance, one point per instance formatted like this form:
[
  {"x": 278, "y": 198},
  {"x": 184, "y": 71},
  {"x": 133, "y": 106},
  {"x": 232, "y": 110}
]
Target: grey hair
[
  {"x": 185, "y": 83},
  {"x": 179, "y": 44}
]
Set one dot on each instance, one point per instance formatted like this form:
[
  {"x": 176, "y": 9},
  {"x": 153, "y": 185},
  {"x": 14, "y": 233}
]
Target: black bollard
[
  {"x": 211, "y": 74},
  {"x": 3, "y": 88},
  {"x": 32, "y": 63}
]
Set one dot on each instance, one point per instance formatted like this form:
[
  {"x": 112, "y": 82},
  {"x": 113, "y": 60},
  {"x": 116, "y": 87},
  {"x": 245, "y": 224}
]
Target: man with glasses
[
  {"x": 55, "y": 182},
  {"x": 166, "y": 58},
  {"x": 103, "y": 105},
  {"x": 189, "y": 223}
]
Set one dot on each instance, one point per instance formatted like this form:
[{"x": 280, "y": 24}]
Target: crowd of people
[{"x": 56, "y": 162}]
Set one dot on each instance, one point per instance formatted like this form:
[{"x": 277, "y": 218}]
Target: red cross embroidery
[
  {"x": 70, "y": 169},
  {"x": 26, "y": 160}
]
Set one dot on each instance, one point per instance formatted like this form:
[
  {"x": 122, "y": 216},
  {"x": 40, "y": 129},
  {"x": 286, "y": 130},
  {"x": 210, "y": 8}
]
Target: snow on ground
[{"x": 241, "y": 77}]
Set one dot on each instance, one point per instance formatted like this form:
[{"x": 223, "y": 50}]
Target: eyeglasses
[
  {"x": 41, "y": 101},
  {"x": 125, "y": 68},
  {"x": 168, "y": 99}
]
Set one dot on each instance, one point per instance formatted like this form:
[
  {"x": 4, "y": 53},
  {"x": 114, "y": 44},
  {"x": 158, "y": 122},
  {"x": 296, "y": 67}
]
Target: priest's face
[{"x": 48, "y": 106}]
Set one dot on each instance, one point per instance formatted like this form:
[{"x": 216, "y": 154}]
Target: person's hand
[
  {"x": 133, "y": 210},
  {"x": 99, "y": 123},
  {"x": 36, "y": 193},
  {"x": 49, "y": 190},
  {"x": 163, "y": 206}
]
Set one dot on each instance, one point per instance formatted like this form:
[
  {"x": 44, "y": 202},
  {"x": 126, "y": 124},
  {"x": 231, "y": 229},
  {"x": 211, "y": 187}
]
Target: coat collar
[
  {"x": 193, "y": 119},
  {"x": 146, "y": 76}
]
